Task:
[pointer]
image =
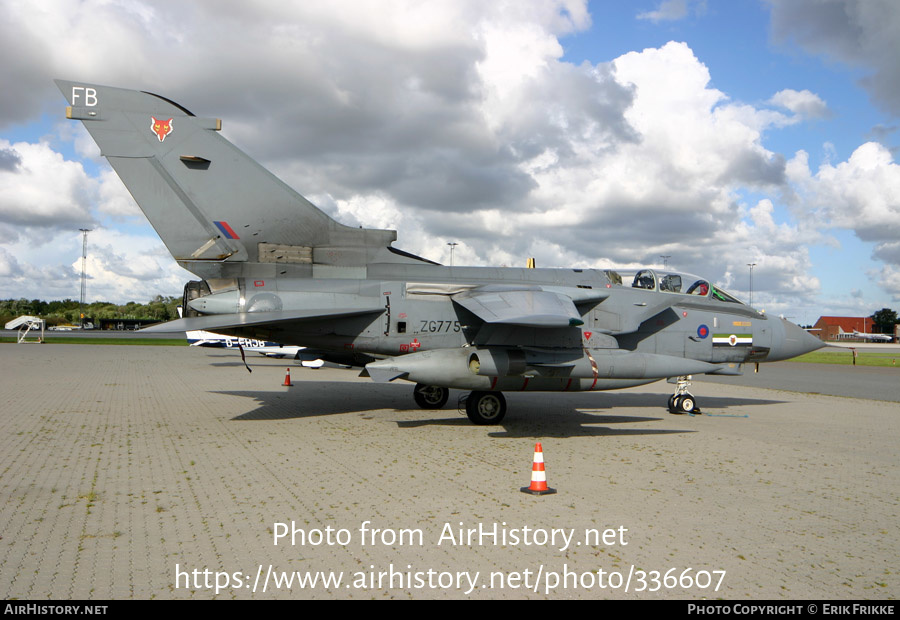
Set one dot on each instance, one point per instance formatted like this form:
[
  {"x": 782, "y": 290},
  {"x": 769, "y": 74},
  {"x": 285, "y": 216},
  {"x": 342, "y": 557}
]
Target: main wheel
[
  {"x": 430, "y": 396},
  {"x": 485, "y": 407}
]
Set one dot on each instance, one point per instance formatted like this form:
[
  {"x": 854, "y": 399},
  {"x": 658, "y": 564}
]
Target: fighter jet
[{"x": 275, "y": 267}]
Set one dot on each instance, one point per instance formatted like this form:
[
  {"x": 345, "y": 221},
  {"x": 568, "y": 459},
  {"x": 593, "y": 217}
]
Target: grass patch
[{"x": 845, "y": 358}]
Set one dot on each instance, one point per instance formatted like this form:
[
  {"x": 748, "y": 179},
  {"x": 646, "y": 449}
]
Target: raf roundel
[{"x": 703, "y": 331}]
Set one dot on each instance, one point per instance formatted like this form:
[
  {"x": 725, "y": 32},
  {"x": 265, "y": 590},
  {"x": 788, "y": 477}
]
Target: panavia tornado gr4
[{"x": 275, "y": 267}]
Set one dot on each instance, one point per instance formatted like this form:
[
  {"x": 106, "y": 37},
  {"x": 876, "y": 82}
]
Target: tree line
[
  {"x": 884, "y": 321},
  {"x": 163, "y": 308},
  {"x": 68, "y": 311}
]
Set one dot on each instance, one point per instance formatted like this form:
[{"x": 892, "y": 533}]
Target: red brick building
[{"x": 842, "y": 327}]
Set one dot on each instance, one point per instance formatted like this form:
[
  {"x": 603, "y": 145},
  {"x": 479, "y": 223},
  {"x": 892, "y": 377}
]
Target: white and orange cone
[
  {"x": 538, "y": 475},
  {"x": 287, "y": 378}
]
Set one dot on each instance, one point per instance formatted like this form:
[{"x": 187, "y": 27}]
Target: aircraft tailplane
[{"x": 213, "y": 205}]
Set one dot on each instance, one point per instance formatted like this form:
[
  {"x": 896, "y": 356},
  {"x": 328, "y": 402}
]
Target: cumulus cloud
[
  {"x": 889, "y": 276},
  {"x": 44, "y": 200},
  {"x": 668, "y": 10},
  {"x": 861, "y": 194},
  {"x": 42, "y": 190},
  {"x": 9, "y": 159},
  {"x": 112, "y": 198},
  {"x": 862, "y": 34},
  {"x": 889, "y": 252},
  {"x": 449, "y": 121},
  {"x": 673, "y": 184},
  {"x": 804, "y": 103},
  {"x": 120, "y": 267},
  {"x": 129, "y": 267},
  {"x": 9, "y": 266}
]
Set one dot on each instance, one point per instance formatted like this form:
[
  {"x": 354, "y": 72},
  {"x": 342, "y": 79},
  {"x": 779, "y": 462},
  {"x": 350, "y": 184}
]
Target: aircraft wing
[
  {"x": 524, "y": 306},
  {"x": 206, "y": 341},
  {"x": 215, "y": 322},
  {"x": 641, "y": 311},
  {"x": 542, "y": 307}
]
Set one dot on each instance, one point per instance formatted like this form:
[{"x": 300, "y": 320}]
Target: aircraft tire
[
  {"x": 430, "y": 396},
  {"x": 686, "y": 403},
  {"x": 484, "y": 408},
  {"x": 672, "y": 404}
]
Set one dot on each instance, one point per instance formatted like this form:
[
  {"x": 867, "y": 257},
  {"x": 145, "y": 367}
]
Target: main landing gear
[
  {"x": 482, "y": 408},
  {"x": 485, "y": 408},
  {"x": 682, "y": 401}
]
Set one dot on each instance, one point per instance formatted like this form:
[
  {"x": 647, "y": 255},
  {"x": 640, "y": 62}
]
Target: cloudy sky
[{"x": 585, "y": 134}]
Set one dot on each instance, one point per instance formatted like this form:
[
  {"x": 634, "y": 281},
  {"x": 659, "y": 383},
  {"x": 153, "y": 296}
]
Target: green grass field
[
  {"x": 161, "y": 342},
  {"x": 864, "y": 358}
]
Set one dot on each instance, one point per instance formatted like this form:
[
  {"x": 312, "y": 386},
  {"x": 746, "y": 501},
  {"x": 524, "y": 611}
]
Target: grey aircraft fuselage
[{"x": 404, "y": 311}]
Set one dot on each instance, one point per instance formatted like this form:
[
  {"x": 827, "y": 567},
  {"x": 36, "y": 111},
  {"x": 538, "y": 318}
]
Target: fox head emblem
[{"x": 161, "y": 128}]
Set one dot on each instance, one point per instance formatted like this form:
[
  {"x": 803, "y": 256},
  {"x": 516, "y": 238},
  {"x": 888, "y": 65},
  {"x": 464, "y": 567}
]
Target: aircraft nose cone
[{"x": 794, "y": 341}]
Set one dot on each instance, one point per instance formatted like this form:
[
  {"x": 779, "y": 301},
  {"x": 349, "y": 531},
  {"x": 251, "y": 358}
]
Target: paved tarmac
[
  {"x": 165, "y": 472},
  {"x": 868, "y": 382}
]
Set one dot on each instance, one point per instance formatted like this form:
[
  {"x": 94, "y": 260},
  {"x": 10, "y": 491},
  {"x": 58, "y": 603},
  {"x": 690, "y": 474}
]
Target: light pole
[
  {"x": 452, "y": 245},
  {"x": 84, "y": 233},
  {"x": 751, "y": 265},
  {"x": 665, "y": 258}
]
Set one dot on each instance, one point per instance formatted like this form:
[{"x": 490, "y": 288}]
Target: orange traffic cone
[
  {"x": 538, "y": 475},
  {"x": 287, "y": 378}
]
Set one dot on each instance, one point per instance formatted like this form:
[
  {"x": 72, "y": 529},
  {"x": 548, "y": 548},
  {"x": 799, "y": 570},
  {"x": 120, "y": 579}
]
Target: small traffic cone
[
  {"x": 287, "y": 379},
  {"x": 538, "y": 475}
]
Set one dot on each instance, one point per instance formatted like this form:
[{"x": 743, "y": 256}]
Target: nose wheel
[{"x": 682, "y": 401}]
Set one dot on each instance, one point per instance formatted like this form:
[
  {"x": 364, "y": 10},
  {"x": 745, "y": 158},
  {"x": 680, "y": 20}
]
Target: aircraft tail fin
[{"x": 211, "y": 203}]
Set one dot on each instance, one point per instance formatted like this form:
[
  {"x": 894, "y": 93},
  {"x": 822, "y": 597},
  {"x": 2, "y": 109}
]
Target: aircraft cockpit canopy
[{"x": 681, "y": 283}]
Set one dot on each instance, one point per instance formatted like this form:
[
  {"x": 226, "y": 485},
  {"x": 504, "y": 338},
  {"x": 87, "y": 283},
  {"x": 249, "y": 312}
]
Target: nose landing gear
[{"x": 682, "y": 401}]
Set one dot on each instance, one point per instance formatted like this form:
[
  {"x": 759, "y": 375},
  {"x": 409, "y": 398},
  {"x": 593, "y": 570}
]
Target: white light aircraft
[{"x": 873, "y": 337}]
